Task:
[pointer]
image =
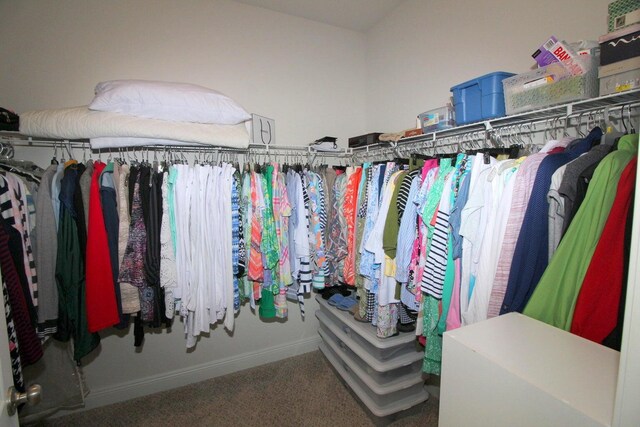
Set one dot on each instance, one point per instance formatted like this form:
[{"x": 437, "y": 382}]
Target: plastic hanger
[{"x": 54, "y": 160}]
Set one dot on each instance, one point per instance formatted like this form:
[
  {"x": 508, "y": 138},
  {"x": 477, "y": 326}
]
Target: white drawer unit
[
  {"x": 512, "y": 370},
  {"x": 385, "y": 374}
]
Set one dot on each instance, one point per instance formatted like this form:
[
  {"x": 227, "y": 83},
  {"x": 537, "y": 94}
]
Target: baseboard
[{"x": 193, "y": 374}]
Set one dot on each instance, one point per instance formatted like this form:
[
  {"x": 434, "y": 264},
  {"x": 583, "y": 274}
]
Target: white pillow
[{"x": 167, "y": 101}]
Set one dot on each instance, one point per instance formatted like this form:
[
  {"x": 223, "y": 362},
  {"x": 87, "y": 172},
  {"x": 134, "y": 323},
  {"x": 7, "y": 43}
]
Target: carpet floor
[{"x": 298, "y": 391}]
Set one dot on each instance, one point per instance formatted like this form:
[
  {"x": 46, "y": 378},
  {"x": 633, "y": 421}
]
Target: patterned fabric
[
  {"x": 242, "y": 253},
  {"x": 461, "y": 171},
  {"x": 433, "y": 199},
  {"x": 371, "y": 306},
  {"x": 315, "y": 229},
  {"x": 282, "y": 213},
  {"x": 436, "y": 263},
  {"x": 269, "y": 242},
  {"x": 247, "y": 214},
  {"x": 350, "y": 210},
  {"x": 432, "y": 362},
  {"x": 407, "y": 234},
  {"x": 360, "y": 223},
  {"x": 256, "y": 269},
  {"x": 363, "y": 191},
  {"x": 418, "y": 254},
  {"x": 367, "y": 260},
  {"x": 403, "y": 315},
  {"x": 14, "y": 347},
  {"x": 305, "y": 276},
  {"x": 30, "y": 348},
  {"x": 235, "y": 243},
  {"x": 132, "y": 270},
  {"x": 329, "y": 203},
  {"x": 403, "y": 192},
  {"x": 129, "y": 297},
  {"x": 342, "y": 182},
  {"x": 322, "y": 201},
  {"x": 13, "y": 206},
  {"x": 387, "y": 320},
  {"x": 521, "y": 194}
]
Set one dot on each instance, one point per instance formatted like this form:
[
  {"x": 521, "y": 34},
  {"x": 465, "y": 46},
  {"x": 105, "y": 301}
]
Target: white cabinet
[{"x": 513, "y": 370}]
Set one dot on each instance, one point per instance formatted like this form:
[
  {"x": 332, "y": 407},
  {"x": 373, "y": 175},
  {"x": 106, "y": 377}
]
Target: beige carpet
[{"x": 299, "y": 391}]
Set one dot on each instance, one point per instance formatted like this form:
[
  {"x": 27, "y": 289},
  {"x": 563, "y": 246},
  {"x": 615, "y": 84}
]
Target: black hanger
[
  {"x": 401, "y": 161},
  {"x": 514, "y": 151},
  {"x": 421, "y": 157}
]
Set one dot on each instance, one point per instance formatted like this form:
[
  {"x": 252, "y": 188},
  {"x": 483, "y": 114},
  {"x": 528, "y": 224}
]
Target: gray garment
[
  {"x": 56, "y": 182},
  {"x": 45, "y": 255},
  {"x": 569, "y": 185},
  {"x": 556, "y": 210},
  {"x": 85, "y": 188}
]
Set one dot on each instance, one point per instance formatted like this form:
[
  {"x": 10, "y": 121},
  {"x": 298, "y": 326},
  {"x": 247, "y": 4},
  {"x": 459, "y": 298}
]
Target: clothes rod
[{"x": 20, "y": 140}]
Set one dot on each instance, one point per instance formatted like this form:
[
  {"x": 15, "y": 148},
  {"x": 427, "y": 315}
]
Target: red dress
[{"x": 102, "y": 311}]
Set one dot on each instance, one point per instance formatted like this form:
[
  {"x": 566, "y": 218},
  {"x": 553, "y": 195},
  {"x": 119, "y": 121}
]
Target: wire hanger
[{"x": 54, "y": 160}]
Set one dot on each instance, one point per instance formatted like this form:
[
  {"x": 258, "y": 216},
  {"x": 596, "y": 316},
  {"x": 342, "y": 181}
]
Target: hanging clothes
[
  {"x": 30, "y": 348},
  {"x": 498, "y": 198},
  {"x": 520, "y": 199},
  {"x": 70, "y": 275},
  {"x": 102, "y": 310},
  {"x": 531, "y": 257},
  {"x": 168, "y": 273},
  {"x": 597, "y": 306},
  {"x": 555, "y": 304},
  {"x": 45, "y": 255}
]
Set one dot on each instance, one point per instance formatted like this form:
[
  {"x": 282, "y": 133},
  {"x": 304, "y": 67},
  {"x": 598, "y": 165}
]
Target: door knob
[{"x": 32, "y": 396}]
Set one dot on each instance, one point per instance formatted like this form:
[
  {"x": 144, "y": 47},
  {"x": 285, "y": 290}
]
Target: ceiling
[{"x": 357, "y": 15}]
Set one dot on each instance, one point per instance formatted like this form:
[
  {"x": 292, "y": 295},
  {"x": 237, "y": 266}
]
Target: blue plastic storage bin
[{"x": 480, "y": 99}]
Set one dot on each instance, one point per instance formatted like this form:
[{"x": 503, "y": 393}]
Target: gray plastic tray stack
[{"x": 385, "y": 374}]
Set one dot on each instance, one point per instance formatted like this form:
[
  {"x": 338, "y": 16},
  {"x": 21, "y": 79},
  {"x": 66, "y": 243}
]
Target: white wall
[
  {"x": 309, "y": 77},
  {"x": 423, "y": 48}
]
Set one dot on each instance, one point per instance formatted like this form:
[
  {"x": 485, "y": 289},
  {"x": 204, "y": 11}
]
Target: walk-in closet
[{"x": 391, "y": 212}]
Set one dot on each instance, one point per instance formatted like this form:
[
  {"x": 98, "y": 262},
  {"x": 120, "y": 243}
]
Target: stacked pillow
[{"x": 181, "y": 102}]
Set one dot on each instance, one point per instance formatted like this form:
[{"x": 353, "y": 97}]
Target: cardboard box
[
  {"x": 364, "y": 140},
  {"x": 412, "y": 132},
  {"x": 620, "y": 45},
  {"x": 620, "y": 82}
]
